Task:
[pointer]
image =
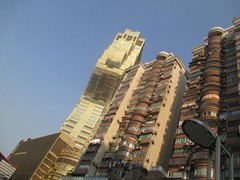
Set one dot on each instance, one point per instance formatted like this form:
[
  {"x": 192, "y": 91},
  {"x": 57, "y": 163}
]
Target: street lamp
[{"x": 203, "y": 136}]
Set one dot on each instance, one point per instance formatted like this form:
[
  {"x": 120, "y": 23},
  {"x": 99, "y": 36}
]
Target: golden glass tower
[{"x": 124, "y": 52}]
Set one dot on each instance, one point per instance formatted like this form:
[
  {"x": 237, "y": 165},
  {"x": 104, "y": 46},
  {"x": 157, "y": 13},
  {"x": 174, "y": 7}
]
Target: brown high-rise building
[
  {"x": 137, "y": 132},
  {"x": 212, "y": 96},
  {"x": 36, "y": 158}
]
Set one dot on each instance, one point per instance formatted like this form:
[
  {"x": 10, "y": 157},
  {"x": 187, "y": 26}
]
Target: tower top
[
  {"x": 236, "y": 21},
  {"x": 162, "y": 54},
  {"x": 215, "y": 31}
]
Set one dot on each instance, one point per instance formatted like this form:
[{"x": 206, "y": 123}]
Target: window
[
  {"x": 128, "y": 144},
  {"x": 201, "y": 171},
  {"x": 81, "y": 139},
  {"x": 232, "y": 61},
  {"x": 179, "y": 131},
  {"x": 232, "y": 113},
  {"x": 195, "y": 73},
  {"x": 148, "y": 128},
  {"x": 180, "y": 151},
  {"x": 176, "y": 174},
  {"x": 113, "y": 147},
  {"x": 232, "y": 95},
  {"x": 139, "y": 43},
  {"x": 150, "y": 121},
  {"x": 139, "y": 153},
  {"x": 87, "y": 128},
  {"x": 232, "y": 80},
  {"x": 119, "y": 133},
  {"x": 124, "y": 153},
  {"x": 182, "y": 140},
  {"x": 209, "y": 113},
  {"x": 103, "y": 127},
  {"x": 234, "y": 123},
  {"x": 117, "y": 140},
  {"x": 83, "y": 133},
  {"x": 132, "y": 128},
  {"x": 236, "y": 159},
  {"x": 146, "y": 136},
  {"x": 232, "y": 134}
]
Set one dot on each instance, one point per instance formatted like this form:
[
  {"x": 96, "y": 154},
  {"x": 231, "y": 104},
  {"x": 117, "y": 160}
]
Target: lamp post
[{"x": 203, "y": 136}]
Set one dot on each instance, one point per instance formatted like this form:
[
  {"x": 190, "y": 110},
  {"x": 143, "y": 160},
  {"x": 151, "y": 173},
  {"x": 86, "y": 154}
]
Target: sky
[{"x": 48, "y": 49}]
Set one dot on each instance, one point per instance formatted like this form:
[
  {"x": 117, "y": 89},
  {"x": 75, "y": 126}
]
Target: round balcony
[
  {"x": 215, "y": 40},
  {"x": 217, "y": 64},
  {"x": 211, "y": 78},
  {"x": 135, "y": 123},
  {"x": 159, "y": 62},
  {"x": 162, "y": 55},
  {"x": 213, "y": 98},
  {"x": 137, "y": 133},
  {"x": 142, "y": 106},
  {"x": 130, "y": 138},
  {"x": 214, "y": 47},
  {"x": 144, "y": 99},
  {"x": 209, "y": 107},
  {"x": 214, "y": 57},
  {"x": 140, "y": 112},
  {"x": 211, "y": 89},
  {"x": 200, "y": 156},
  {"x": 149, "y": 89},
  {"x": 155, "y": 70},
  {"x": 127, "y": 145},
  {"x": 216, "y": 31},
  {"x": 158, "y": 66},
  {"x": 150, "y": 83},
  {"x": 133, "y": 130},
  {"x": 155, "y": 73},
  {"x": 155, "y": 78},
  {"x": 138, "y": 118},
  {"x": 124, "y": 153},
  {"x": 213, "y": 72}
]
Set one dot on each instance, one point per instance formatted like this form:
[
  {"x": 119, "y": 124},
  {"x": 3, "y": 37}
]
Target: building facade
[
  {"x": 37, "y": 158},
  {"x": 212, "y": 96},
  {"x": 124, "y": 52},
  {"x": 6, "y": 168},
  {"x": 137, "y": 131}
]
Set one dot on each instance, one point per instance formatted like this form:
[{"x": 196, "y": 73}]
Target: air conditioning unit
[
  {"x": 188, "y": 168},
  {"x": 119, "y": 121},
  {"x": 181, "y": 167}
]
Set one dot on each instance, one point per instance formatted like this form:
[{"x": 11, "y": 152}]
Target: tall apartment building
[
  {"x": 212, "y": 96},
  {"x": 57, "y": 158},
  {"x": 124, "y": 52},
  {"x": 137, "y": 132}
]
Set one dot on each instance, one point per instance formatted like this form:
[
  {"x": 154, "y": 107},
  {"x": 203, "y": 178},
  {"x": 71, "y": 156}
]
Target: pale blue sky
[{"x": 48, "y": 49}]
